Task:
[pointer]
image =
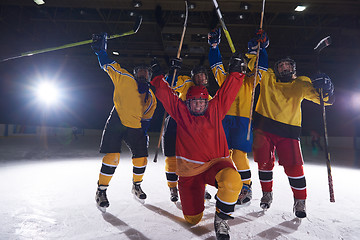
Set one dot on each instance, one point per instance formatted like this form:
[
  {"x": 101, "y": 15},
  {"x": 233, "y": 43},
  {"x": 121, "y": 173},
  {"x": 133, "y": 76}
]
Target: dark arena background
[{"x": 26, "y": 26}]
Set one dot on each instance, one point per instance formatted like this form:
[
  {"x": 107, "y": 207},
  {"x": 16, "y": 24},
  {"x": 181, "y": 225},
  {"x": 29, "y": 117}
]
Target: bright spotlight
[
  {"x": 300, "y": 8},
  {"x": 355, "y": 99},
  {"x": 47, "y": 93}
]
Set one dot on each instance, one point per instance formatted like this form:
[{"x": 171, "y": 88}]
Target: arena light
[
  {"x": 47, "y": 93},
  {"x": 355, "y": 99},
  {"x": 39, "y": 2},
  {"x": 300, "y": 8}
]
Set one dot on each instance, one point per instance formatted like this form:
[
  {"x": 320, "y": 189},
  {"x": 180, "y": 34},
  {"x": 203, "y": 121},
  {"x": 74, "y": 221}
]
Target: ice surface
[{"x": 47, "y": 192}]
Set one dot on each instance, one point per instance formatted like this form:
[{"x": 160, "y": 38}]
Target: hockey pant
[
  {"x": 290, "y": 157},
  {"x": 192, "y": 190}
]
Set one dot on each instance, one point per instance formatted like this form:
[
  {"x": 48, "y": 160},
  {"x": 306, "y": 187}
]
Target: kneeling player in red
[{"x": 202, "y": 154}]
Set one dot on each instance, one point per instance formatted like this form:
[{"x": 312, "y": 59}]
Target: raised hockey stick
[
  {"x": 320, "y": 46},
  {"x": 45, "y": 50},
  {"x": 222, "y": 22},
  {"x": 173, "y": 79},
  {"x": 256, "y": 70}
]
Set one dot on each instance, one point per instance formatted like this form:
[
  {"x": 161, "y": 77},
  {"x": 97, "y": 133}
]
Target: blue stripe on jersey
[
  {"x": 185, "y": 82},
  {"x": 151, "y": 103},
  {"x": 117, "y": 71}
]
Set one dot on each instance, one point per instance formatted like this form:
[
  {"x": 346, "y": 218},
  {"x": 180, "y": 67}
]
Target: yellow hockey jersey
[
  {"x": 129, "y": 103},
  {"x": 278, "y": 109},
  {"x": 242, "y": 104}
]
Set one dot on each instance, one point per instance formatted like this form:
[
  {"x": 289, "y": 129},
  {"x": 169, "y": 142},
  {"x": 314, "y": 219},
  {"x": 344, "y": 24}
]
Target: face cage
[
  {"x": 206, "y": 75},
  {"x": 141, "y": 79},
  {"x": 285, "y": 75},
  {"x": 196, "y": 114}
]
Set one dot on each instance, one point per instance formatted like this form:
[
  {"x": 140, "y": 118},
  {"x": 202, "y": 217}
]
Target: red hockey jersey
[{"x": 200, "y": 140}]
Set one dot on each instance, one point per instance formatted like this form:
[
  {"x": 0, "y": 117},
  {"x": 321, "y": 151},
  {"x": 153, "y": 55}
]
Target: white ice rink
[{"x": 47, "y": 192}]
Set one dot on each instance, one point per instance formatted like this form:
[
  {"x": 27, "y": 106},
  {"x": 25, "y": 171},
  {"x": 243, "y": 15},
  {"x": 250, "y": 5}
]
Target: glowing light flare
[
  {"x": 355, "y": 101},
  {"x": 300, "y": 8},
  {"x": 47, "y": 93}
]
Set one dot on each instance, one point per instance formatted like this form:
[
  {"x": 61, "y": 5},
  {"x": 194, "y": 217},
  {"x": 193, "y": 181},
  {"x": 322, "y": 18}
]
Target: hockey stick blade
[
  {"x": 45, "y": 50},
  {"x": 222, "y": 22},
  {"x": 323, "y": 44},
  {"x": 133, "y": 31}
]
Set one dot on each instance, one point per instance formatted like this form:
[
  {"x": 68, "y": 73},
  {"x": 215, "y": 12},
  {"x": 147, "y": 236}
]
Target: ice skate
[
  {"x": 138, "y": 192},
  {"x": 299, "y": 208},
  {"x": 207, "y": 195},
  {"x": 266, "y": 200},
  {"x": 174, "y": 197},
  {"x": 221, "y": 226},
  {"x": 101, "y": 199},
  {"x": 245, "y": 195}
]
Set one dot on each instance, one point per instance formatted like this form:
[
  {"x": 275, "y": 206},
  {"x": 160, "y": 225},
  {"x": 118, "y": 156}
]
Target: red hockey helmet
[{"x": 197, "y": 92}]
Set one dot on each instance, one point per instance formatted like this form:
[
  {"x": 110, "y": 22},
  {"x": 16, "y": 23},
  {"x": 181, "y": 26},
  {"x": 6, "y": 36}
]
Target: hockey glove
[
  {"x": 176, "y": 63},
  {"x": 156, "y": 68},
  {"x": 99, "y": 42},
  {"x": 262, "y": 38},
  {"x": 237, "y": 63},
  {"x": 252, "y": 46},
  {"x": 323, "y": 81},
  {"x": 214, "y": 37}
]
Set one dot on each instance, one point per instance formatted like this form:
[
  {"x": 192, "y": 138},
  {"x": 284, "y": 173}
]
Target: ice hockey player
[
  {"x": 181, "y": 85},
  {"x": 277, "y": 124},
  {"x": 236, "y": 120},
  {"x": 134, "y": 106},
  {"x": 202, "y": 153}
]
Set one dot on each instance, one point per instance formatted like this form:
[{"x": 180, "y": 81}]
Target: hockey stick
[
  {"x": 256, "y": 70},
  {"x": 221, "y": 19},
  {"x": 31, "y": 53},
  {"x": 320, "y": 46},
  {"x": 173, "y": 79}
]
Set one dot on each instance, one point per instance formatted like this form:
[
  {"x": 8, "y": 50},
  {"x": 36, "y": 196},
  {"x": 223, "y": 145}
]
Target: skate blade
[
  {"x": 102, "y": 209},
  {"x": 178, "y": 205},
  {"x": 300, "y": 215},
  {"x": 265, "y": 206},
  {"x": 142, "y": 201}
]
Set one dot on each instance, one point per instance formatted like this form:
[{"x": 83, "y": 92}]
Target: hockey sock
[
  {"x": 170, "y": 171},
  {"x": 108, "y": 167},
  {"x": 297, "y": 180},
  {"x": 139, "y": 166},
  {"x": 242, "y": 164}
]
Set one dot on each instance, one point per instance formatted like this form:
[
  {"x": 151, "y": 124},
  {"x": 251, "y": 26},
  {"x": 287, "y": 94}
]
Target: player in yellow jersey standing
[
  {"x": 277, "y": 124},
  {"x": 134, "y": 106},
  {"x": 236, "y": 120}
]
